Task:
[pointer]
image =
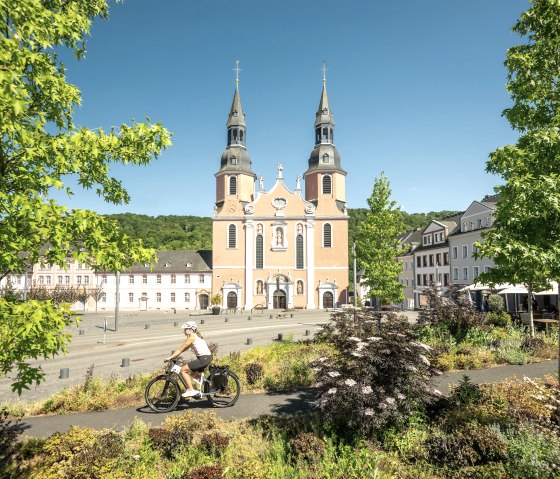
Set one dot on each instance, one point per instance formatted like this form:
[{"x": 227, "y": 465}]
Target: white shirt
[{"x": 200, "y": 348}]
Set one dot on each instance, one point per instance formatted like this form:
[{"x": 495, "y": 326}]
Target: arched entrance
[
  {"x": 232, "y": 300},
  {"x": 203, "y": 301},
  {"x": 279, "y": 299},
  {"x": 327, "y": 299}
]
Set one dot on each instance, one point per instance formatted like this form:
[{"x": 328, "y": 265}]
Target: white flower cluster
[
  {"x": 424, "y": 359},
  {"x": 333, "y": 374},
  {"x": 369, "y": 412},
  {"x": 367, "y": 390},
  {"x": 350, "y": 382},
  {"x": 331, "y": 391}
]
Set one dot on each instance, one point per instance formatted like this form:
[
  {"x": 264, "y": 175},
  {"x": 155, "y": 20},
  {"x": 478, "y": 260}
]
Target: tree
[
  {"x": 378, "y": 245},
  {"x": 39, "y": 147},
  {"x": 525, "y": 244}
]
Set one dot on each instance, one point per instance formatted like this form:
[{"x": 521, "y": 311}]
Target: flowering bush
[{"x": 379, "y": 374}]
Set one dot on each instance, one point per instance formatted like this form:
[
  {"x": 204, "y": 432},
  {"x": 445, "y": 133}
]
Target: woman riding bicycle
[{"x": 203, "y": 354}]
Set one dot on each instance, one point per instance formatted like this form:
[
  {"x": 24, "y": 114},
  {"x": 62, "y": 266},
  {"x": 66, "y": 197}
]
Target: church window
[
  {"x": 327, "y": 185},
  {"x": 325, "y": 133},
  {"x": 259, "y": 263},
  {"x": 317, "y": 135},
  {"x": 299, "y": 252},
  {"x": 327, "y": 235},
  {"x": 232, "y": 237},
  {"x": 233, "y": 160},
  {"x": 326, "y": 158},
  {"x": 241, "y": 135},
  {"x": 233, "y": 185},
  {"x": 332, "y": 135},
  {"x": 229, "y": 137}
]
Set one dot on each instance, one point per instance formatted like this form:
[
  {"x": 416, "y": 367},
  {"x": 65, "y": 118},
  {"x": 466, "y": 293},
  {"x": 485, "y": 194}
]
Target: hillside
[{"x": 195, "y": 232}]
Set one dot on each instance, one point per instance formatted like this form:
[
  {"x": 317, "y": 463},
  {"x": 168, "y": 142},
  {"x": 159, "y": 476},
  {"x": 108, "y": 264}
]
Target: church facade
[{"x": 280, "y": 248}]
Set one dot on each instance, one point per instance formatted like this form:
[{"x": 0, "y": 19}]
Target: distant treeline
[{"x": 195, "y": 232}]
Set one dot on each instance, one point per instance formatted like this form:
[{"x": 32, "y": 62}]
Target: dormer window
[
  {"x": 189, "y": 264},
  {"x": 325, "y": 111},
  {"x": 326, "y": 158},
  {"x": 167, "y": 265},
  {"x": 235, "y": 113},
  {"x": 233, "y": 160}
]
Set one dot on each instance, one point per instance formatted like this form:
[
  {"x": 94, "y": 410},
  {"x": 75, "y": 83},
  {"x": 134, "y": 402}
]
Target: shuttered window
[
  {"x": 232, "y": 236},
  {"x": 327, "y": 235},
  {"x": 259, "y": 261},
  {"x": 299, "y": 252},
  {"x": 233, "y": 185},
  {"x": 327, "y": 185}
]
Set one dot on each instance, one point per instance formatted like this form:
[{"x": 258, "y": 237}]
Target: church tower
[{"x": 325, "y": 180}]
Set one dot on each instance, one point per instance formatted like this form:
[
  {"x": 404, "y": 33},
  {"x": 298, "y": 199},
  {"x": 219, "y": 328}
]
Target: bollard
[
  {"x": 125, "y": 363},
  {"x": 202, "y": 321},
  {"x": 226, "y": 320},
  {"x": 249, "y": 341},
  {"x": 271, "y": 316},
  {"x": 249, "y": 318},
  {"x": 82, "y": 332},
  {"x": 307, "y": 332},
  {"x": 147, "y": 326},
  {"x": 64, "y": 373},
  {"x": 280, "y": 337},
  {"x": 176, "y": 323},
  {"x": 292, "y": 315}
]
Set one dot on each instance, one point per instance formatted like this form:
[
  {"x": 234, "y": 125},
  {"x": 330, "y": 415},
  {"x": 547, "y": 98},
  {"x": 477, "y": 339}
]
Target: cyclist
[{"x": 198, "y": 346}]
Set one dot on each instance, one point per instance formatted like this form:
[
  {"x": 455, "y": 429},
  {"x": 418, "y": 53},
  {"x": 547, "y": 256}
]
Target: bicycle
[{"x": 222, "y": 387}]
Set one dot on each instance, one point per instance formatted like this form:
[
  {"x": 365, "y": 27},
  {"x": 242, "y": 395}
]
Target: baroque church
[{"x": 280, "y": 248}]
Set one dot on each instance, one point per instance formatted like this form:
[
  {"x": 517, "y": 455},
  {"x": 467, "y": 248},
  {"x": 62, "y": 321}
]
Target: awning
[{"x": 553, "y": 291}]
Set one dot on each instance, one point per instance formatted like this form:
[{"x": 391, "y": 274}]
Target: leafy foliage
[
  {"x": 377, "y": 245},
  {"x": 379, "y": 375},
  {"x": 39, "y": 147},
  {"x": 524, "y": 243}
]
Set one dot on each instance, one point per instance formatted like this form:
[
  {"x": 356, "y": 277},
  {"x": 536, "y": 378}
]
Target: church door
[
  {"x": 327, "y": 300},
  {"x": 232, "y": 300},
  {"x": 203, "y": 301},
  {"x": 279, "y": 299}
]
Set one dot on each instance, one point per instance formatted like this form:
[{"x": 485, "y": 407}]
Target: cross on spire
[
  {"x": 324, "y": 70},
  {"x": 237, "y": 70}
]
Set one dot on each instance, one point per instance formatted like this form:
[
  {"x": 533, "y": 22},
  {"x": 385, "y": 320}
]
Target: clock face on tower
[{"x": 232, "y": 208}]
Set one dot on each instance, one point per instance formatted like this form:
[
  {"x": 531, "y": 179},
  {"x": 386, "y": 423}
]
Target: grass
[{"x": 280, "y": 366}]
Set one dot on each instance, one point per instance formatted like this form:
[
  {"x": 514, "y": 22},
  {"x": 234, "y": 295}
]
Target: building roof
[{"x": 177, "y": 261}]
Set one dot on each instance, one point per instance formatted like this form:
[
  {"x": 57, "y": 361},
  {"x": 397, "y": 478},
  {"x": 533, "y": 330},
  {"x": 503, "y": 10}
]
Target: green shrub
[
  {"x": 205, "y": 472},
  {"x": 495, "y": 302},
  {"x": 215, "y": 442},
  {"x": 307, "y": 446},
  {"x": 532, "y": 454},
  {"x": 512, "y": 355},
  {"x": 486, "y": 471},
  {"x": 380, "y": 375},
  {"x": 498, "y": 318},
  {"x": 477, "y": 337}
]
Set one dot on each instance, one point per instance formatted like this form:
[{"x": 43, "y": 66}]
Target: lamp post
[
  {"x": 117, "y": 300},
  {"x": 355, "y": 275}
]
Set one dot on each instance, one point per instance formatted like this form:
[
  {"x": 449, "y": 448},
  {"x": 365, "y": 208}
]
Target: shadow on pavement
[
  {"x": 182, "y": 406},
  {"x": 298, "y": 401}
]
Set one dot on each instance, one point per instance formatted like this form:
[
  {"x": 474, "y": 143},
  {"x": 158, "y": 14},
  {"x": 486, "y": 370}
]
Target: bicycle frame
[{"x": 197, "y": 382}]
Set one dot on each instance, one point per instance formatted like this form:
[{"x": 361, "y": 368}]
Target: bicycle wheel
[
  {"x": 162, "y": 394},
  {"x": 227, "y": 395}
]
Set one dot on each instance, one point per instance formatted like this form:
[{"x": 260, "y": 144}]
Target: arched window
[
  {"x": 233, "y": 185},
  {"x": 299, "y": 252},
  {"x": 232, "y": 237},
  {"x": 259, "y": 260},
  {"x": 241, "y": 136},
  {"x": 327, "y": 185},
  {"x": 326, "y": 158},
  {"x": 327, "y": 235}
]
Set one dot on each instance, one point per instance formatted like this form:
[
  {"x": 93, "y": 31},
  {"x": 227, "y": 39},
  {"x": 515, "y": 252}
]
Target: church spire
[
  {"x": 324, "y": 117},
  {"x": 235, "y": 157}
]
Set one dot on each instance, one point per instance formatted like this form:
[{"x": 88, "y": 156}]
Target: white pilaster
[
  {"x": 310, "y": 249},
  {"x": 249, "y": 247}
]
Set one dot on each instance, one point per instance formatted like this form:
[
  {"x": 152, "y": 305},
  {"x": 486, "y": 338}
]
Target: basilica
[{"x": 280, "y": 248}]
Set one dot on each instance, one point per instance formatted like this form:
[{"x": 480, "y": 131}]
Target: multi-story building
[
  {"x": 180, "y": 279},
  {"x": 410, "y": 241},
  {"x": 477, "y": 219},
  {"x": 431, "y": 257},
  {"x": 280, "y": 248}
]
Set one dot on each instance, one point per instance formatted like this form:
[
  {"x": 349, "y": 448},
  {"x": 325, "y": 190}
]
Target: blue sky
[{"x": 417, "y": 90}]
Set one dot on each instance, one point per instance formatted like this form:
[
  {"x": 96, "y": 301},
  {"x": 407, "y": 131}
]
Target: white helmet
[{"x": 189, "y": 325}]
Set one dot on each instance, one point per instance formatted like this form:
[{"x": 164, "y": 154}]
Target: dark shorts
[{"x": 200, "y": 363}]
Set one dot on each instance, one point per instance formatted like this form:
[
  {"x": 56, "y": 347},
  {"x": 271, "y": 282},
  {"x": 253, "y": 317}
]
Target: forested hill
[{"x": 195, "y": 232}]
